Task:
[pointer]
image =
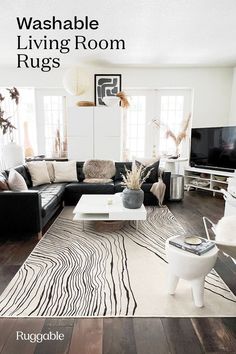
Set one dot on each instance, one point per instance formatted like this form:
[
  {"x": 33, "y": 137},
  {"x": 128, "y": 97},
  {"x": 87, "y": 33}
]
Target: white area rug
[{"x": 84, "y": 273}]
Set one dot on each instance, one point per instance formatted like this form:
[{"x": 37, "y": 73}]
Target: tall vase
[
  {"x": 132, "y": 199},
  {"x": 12, "y": 155},
  {"x": 177, "y": 154}
]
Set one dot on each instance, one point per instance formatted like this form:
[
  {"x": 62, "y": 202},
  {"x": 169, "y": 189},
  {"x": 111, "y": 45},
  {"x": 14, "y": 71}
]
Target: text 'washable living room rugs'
[{"x": 72, "y": 272}]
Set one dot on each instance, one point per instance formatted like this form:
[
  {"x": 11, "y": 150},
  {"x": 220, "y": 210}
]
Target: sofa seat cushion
[
  {"x": 51, "y": 195},
  {"x": 55, "y": 189},
  {"x": 49, "y": 203},
  {"x": 90, "y": 188}
]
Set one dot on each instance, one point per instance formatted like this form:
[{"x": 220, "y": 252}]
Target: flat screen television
[{"x": 214, "y": 148}]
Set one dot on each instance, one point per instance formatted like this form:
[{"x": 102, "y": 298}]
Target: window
[
  {"x": 135, "y": 127},
  {"x": 23, "y": 118},
  {"x": 171, "y": 116},
  {"x": 146, "y": 121},
  {"x": 55, "y": 127},
  {"x": 27, "y": 120}
]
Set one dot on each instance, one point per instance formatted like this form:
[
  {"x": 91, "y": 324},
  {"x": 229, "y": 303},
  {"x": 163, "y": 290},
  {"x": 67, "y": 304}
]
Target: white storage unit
[
  {"x": 210, "y": 180},
  {"x": 94, "y": 132},
  {"x": 230, "y": 197},
  {"x": 230, "y": 205}
]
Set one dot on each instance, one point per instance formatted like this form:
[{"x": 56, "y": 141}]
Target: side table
[
  {"x": 191, "y": 267},
  {"x": 175, "y": 166}
]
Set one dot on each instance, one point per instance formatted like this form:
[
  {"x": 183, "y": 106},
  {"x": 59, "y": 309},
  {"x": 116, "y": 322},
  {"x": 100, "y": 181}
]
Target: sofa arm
[
  {"x": 166, "y": 179},
  {"x": 20, "y": 212}
]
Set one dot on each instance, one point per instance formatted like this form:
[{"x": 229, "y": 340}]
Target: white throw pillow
[
  {"x": 65, "y": 171},
  {"x": 16, "y": 182},
  {"x": 38, "y": 172}
]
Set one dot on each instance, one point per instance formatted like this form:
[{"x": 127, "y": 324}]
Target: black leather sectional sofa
[{"x": 29, "y": 211}]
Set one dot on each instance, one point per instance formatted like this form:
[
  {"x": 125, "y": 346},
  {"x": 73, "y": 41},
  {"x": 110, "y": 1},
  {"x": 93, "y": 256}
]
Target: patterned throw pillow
[
  {"x": 149, "y": 165},
  {"x": 3, "y": 183}
]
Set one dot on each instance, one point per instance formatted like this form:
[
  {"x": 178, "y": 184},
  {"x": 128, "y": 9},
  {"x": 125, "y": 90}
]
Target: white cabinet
[
  {"x": 94, "y": 132},
  {"x": 210, "y": 180}
]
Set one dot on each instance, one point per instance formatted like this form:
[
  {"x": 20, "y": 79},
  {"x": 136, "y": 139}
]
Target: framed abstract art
[{"x": 106, "y": 85}]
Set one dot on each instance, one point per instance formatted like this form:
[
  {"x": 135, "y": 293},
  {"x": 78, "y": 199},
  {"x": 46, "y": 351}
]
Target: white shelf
[{"x": 213, "y": 181}]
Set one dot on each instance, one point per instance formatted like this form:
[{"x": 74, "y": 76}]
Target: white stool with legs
[{"x": 191, "y": 267}]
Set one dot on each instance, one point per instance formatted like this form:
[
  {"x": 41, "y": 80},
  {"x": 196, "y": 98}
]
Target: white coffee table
[{"x": 106, "y": 207}]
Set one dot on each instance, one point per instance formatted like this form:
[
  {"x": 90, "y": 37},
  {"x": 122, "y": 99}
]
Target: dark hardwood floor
[{"x": 125, "y": 335}]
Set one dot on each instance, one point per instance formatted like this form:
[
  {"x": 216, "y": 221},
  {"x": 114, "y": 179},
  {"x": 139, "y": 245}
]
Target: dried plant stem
[{"x": 135, "y": 178}]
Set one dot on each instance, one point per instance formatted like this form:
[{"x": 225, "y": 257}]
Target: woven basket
[
  {"x": 85, "y": 103},
  {"x": 109, "y": 226}
]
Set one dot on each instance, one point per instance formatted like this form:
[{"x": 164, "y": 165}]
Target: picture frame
[{"x": 106, "y": 85}]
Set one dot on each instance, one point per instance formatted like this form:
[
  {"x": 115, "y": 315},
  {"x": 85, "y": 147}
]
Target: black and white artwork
[{"x": 106, "y": 85}]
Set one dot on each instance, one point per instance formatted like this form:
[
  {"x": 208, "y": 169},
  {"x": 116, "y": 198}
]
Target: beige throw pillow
[
  {"x": 51, "y": 172},
  {"x": 38, "y": 172},
  {"x": 65, "y": 171},
  {"x": 16, "y": 182}
]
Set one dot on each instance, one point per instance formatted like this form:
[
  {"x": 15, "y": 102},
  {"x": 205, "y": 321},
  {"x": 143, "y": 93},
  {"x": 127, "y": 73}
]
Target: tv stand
[{"x": 207, "y": 179}]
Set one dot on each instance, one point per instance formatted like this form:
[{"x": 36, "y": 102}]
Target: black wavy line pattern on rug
[
  {"x": 155, "y": 243},
  {"x": 69, "y": 278},
  {"x": 76, "y": 273}
]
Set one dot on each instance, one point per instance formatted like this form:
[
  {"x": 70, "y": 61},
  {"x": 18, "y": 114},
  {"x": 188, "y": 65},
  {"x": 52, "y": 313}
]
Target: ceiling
[{"x": 156, "y": 32}]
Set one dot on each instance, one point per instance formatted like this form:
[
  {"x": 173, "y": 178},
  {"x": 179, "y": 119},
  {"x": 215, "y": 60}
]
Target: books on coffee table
[{"x": 197, "y": 249}]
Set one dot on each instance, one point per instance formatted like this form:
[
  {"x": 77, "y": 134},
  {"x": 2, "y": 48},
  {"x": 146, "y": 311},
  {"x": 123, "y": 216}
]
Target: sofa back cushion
[
  {"x": 23, "y": 170},
  {"x": 120, "y": 169},
  {"x": 79, "y": 168}
]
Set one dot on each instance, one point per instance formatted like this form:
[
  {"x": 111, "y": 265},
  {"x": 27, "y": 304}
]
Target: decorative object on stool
[
  {"x": 133, "y": 195},
  {"x": 106, "y": 85}
]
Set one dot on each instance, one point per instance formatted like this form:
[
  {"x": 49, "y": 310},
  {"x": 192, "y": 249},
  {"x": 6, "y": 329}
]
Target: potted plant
[
  {"x": 133, "y": 195},
  {"x": 5, "y": 123}
]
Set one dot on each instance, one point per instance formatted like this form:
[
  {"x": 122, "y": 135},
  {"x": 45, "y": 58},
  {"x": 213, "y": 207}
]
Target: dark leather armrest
[
  {"x": 20, "y": 212},
  {"x": 166, "y": 179}
]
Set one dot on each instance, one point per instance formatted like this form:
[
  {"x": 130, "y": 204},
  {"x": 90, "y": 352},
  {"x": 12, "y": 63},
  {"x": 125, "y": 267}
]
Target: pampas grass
[
  {"x": 135, "y": 178},
  {"x": 182, "y": 134}
]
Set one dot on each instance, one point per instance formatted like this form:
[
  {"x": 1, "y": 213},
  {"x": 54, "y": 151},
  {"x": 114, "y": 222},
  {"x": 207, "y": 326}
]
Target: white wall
[
  {"x": 212, "y": 86},
  {"x": 232, "y": 116}
]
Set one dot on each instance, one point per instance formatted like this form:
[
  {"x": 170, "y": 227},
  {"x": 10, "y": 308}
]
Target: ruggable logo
[{"x": 39, "y": 337}]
